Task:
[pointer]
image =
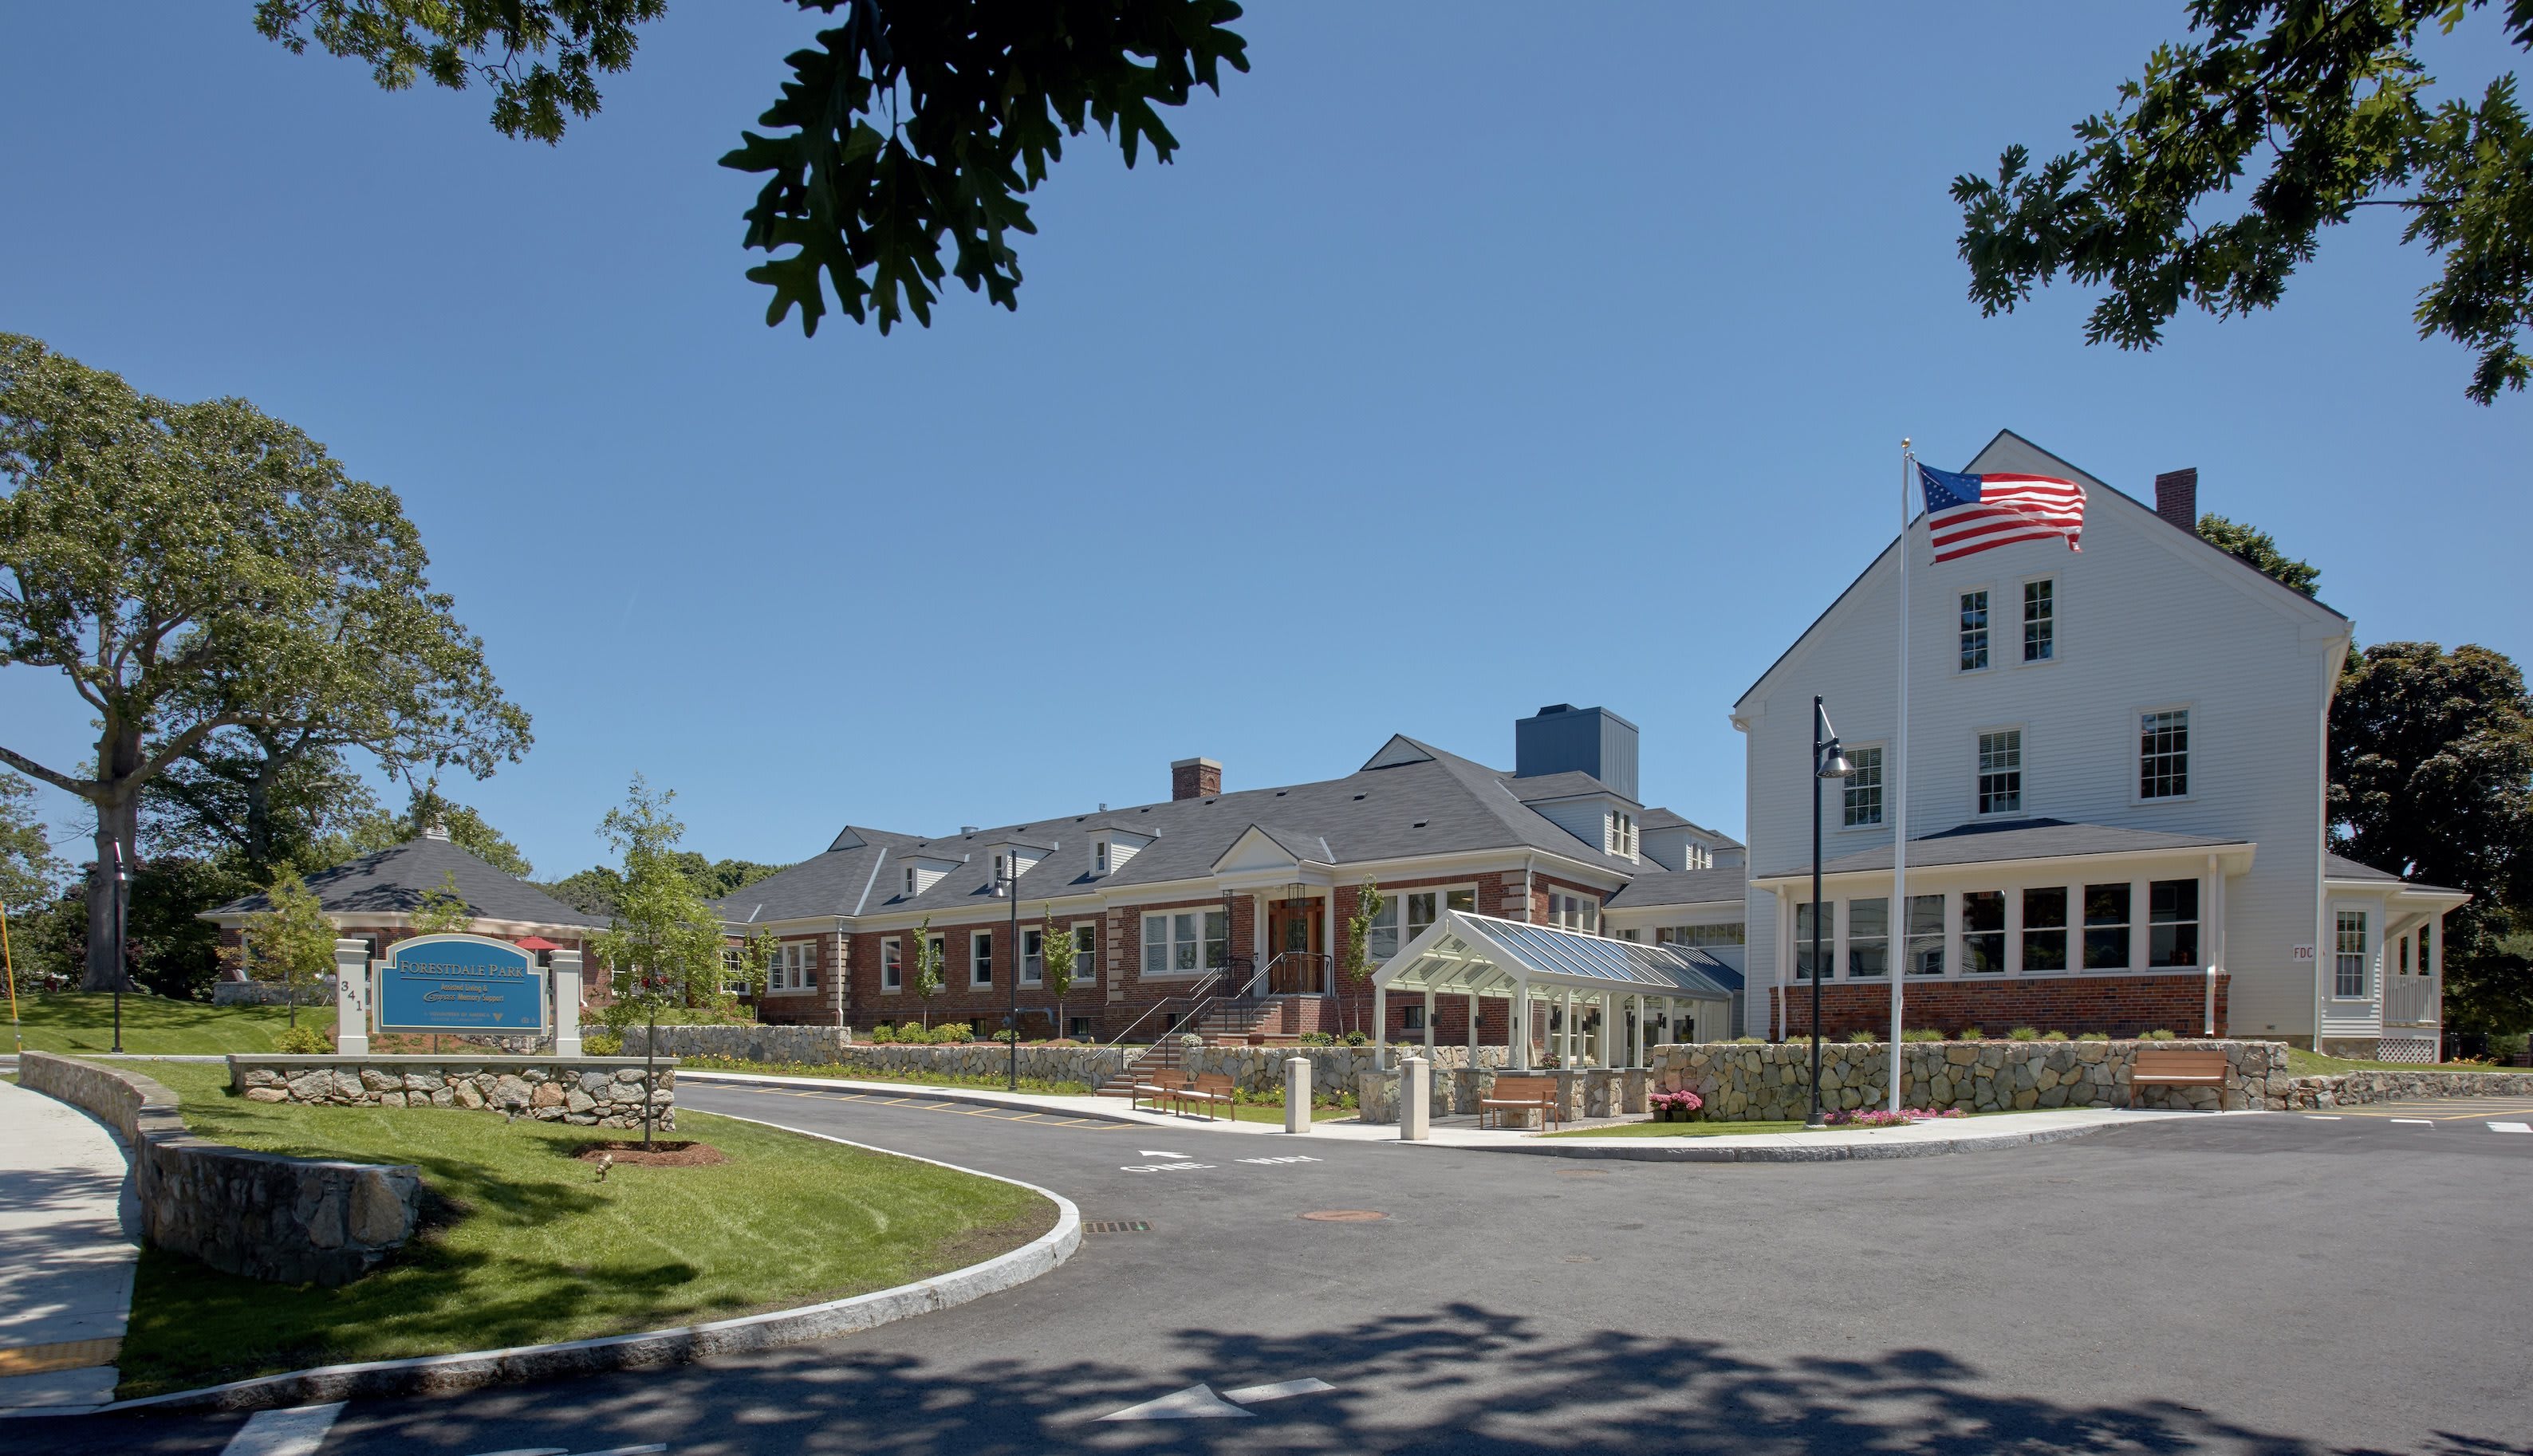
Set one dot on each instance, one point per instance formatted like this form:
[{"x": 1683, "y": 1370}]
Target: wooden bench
[
  {"x": 1525, "y": 1093},
  {"x": 1158, "y": 1090},
  {"x": 2177, "y": 1068},
  {"x": 1209, "y": 1089}
]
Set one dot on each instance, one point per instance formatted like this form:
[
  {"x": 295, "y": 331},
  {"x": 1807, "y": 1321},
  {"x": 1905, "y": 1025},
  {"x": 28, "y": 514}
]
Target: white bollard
[
  {"x": 566, "y": 979},
  {"x": 1297, "y": 1094},
  {"x": 1415, "y": 1099},
  {"x": 352, "y": 998}
]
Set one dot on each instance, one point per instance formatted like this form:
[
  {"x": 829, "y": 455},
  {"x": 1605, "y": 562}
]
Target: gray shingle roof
[
  {"x": 2015, "y": 838},
  {"x": 1680, "y": 887},
  {"x": 836, "y": 883},
  {"x": 2341, "y": 867},
  {"x": 394, "y": 880}
]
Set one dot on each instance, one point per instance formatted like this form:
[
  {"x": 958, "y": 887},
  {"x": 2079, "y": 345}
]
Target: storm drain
[{"x": 1117, "y": 1226}]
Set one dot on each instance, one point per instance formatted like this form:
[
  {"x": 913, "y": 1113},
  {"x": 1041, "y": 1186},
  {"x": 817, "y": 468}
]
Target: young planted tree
[
  {"x": 291, "y": 942},
  {"x": 192, "y": 569},
  {"x": 1058, "y": 958},
  {"x": 927, "y": 969},
  {"x": 1355, "y": 967},
  {"x": 663, "y": 943}
]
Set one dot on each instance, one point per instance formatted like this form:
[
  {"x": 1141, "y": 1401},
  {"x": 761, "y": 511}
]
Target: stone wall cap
[{"x": 401, "y": 1059}]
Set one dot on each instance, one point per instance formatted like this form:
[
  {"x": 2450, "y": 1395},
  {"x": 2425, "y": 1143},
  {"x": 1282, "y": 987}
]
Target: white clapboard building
[{"x": 2115, "y": 799}]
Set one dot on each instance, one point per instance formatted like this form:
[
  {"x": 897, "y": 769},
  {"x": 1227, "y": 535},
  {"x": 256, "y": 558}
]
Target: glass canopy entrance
[{"x": 1576, "y": 1000}]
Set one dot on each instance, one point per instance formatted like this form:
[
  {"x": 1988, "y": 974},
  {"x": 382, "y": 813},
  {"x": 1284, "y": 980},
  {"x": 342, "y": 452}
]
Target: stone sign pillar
[
  {"x": 1415, "y": 1099},
  {"x": 352, "y": 998},
  {"x": 1297, "y": 1094},
  {"x": 567, "y": 1003}
]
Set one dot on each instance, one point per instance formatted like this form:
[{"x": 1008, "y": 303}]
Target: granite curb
[
  {"x": 441, "y": 1374},
  {"x": 1834, "y": 1152}
]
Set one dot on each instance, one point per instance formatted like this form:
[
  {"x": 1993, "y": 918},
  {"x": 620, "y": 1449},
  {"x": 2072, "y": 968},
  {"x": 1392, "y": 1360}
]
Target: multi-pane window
[
  {"x": 2040, "y": 620},
  {"x": 1806, "y": 966},
  {"x": 1982, "y": 932},
  {"x": 1868, "y": 937},
  {"x": 2164, "y": 754},
  {"x": 733, "y": 979},
  {"x": 1700, "y": 935},
  {"x": 1926, "y": 935},
  {"x": 1086, "y": 952},
  {"x": 2173, "y": 922},
  {"x": 1416, "y": 910},
  {"x": 1033, "y": 958},
  {"x": 891, "y": 965},
  {"x": 1860, "y": 796},
  {"x": 2348, "y": 958},
  {"x": 909, "y": 880},
  {"x": 1573, "y": 911},
  {"x": 1973, "y": 631},
  {"x": 1619, "y": 832},
  {"x": 980, "y": 957},
  {"x": 792, "y": 966},
  {"x": 1696, "y": 856},
  {"x": 2106, "y": 926},
  {"x": 2000, "y": 771},
  {"x": 1099, "y": 856},
  {"x": 2424, "y": 962},
  {"x": 1181, "y": 942},
  {"x": 2044, "y": 929}
]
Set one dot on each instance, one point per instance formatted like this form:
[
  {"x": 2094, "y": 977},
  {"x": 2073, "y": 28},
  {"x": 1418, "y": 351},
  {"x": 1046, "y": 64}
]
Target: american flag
[{"x": 1968, "y": 513}]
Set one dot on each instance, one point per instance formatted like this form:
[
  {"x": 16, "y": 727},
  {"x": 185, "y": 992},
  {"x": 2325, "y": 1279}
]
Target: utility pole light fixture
[
  {"x": 1828, "y": 762},
  {"x": 1007, "y": 882}
]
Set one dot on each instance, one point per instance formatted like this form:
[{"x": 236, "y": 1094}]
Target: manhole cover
[
  {"x": 1345, "y": 1215},
  {"x": 1117, "y": 1226}
]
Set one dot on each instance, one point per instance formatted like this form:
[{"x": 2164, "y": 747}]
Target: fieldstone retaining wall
[
  {"x": 1582, "y": 1092},
  {"x": 2353, "y": 1089},
  {"x": 829, "y": 1046},
  {"x": 257, "y": 1215},
  {"x": 585, "y": 1091},
  {"x": 1771, "y": 1082}
]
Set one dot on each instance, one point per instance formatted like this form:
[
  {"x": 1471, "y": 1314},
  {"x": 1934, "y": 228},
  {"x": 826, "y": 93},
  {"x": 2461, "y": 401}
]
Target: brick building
[{"x": 1238, "y": 901}]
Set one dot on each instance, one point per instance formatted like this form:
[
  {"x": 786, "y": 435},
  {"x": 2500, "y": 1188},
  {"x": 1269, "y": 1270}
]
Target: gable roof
[
  {"x": 393, "y": 882},
  {"x": 1680, "y": 887},
  {"x": 836, "y": 883},
  {"x": 2018, "y": 451},
  {"x": 2341, "y": 867}
]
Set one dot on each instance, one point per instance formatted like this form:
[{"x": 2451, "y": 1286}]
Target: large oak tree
[{"x": 192, "y": 569}]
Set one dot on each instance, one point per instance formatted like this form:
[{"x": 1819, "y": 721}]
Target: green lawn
[
  {"x": 76, "y": 1021},
  {"x": 526, "y": 1246},
  {"x": 2302, "y": 1063}
]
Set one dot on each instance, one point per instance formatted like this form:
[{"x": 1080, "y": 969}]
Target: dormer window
[
  {"x": 909, "y": 880},
  {"x": 998, "y": 869},
  {"x": 1619, "y": 832},
  {"x": 1099, "y": 856}
]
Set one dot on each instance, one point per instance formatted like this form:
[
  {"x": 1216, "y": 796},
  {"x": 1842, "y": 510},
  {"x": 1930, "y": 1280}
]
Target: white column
[
  {"x": 2437, "y": 988},
  {"x": 565, "y": 978},
  {"x": 1415, "y": 1100},
  {"x": 352, "y": 997},
  {"x": 1259, "y": 951},
  {"x": 1297, "y": 1094},
  {"x": 2141, "y": 909},
  {"x": 1636, "y": 1047},
  {"x": 1330, "y": 940},
  {"x": 1380, "y": 1025},
  {"x": 1517, "y": 1027},
  {"x": 1569, "y": 1043}
]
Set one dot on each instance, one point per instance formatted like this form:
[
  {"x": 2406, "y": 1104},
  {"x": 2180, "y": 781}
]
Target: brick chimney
[
  {"x": 1195, "y": 778},
  {"x": 2176, "y": 498}
]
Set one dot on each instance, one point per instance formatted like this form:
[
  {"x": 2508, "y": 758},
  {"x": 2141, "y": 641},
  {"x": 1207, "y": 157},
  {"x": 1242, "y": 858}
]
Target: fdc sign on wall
[{"x": 460, "y": 983}]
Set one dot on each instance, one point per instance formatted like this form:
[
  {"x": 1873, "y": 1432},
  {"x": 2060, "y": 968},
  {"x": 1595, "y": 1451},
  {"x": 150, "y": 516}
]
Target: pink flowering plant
[
  {"x": 1673, "y": 1106},
  {"x": 1883, "y": 1117}
]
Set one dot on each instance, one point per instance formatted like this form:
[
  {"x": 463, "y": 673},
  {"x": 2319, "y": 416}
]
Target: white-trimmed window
[
  {"x": 1696, "y": 855},
  {"x": 2000, "y": 771},
  {"x": 891, "y": 965},
  {"x": 2106, "y": 926},
  {"x": 1033, "y": 958},
  {"x": 1974, "y": 632},
  {"x": 2425, "y": 965},
  {"x": 2163, "y": 753},
  {"x": 1868, "y": 938},
  {"x": 910, "y": 882},
  {"x": 1183, "y": 942},
  {"x": 2173, "y": 922},
  {"x": 733, "y": 980},
  {"x": 1926, "y": 935},
  {"x": 2044, "y": 928},
  {"x": 980, "y": 957},
  {"x": 1573, "y": 911},
  {"x": 1619, "y": 832},
  {"x": 1099, "y": 856},
  {"x": 1728, "y": 934},
  {"x": 2040, "y": 620},
  {"x": 1086, "y": 952},
  {"x": 1982, "y": 932},
  {"x": 2348, "y": 958},
  {"x": 1405, "y": 915},
  {"x": 1860, "y": 793},
  {"x": 1807, "y": 968},
  {"x": 793, "y": 966}
]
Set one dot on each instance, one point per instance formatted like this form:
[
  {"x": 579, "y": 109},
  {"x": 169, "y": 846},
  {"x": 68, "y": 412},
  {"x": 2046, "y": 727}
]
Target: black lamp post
[
  {"x": 1008, "y": 881},
  {"x": 1828, "y": 762},
  {"x": 122, "y": 951}
]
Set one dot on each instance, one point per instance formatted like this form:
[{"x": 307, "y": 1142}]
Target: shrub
[
  {"x": 2024, "y": 1033},
  {"x": 1357, "y": 1038},
  {"x": 952, "y": 1032},
  {"x": 2092, "y": 1036},
  {"x": 2053, "y": 1036},
  {"x": 882, "y": 1034},
  {"x": 1007, "y": 1034},
  {"x": 1862, "y": 1038},
  {"x": 1190, "y": 1038},
  {"x": 1921, "y": 1033},
  {"x": 1682, "y": 1100},
  {"x": 2159, "y": 1034},
  {"x": 1749, "y": 1041},
  {"x": 602, "y": 1044},
  {"x": 1318, "y": 1038},
  {"x": 1973, "y": 1033},
  {"x": 303, "y": 1041}
]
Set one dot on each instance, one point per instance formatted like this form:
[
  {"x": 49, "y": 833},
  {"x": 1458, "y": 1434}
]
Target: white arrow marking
[
  {"x": 2511, "y": 1127},
  {"x": 1196, "y": 1403},
  {"x": 1161, "y": 1167},
  {"x": 1250, "y": 1395},
  {"x": 1155, "y": 1152},
  {"x": 297, "y": 1432}
]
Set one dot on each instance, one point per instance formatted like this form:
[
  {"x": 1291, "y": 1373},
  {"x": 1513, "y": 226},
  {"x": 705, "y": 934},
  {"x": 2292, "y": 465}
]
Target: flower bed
[
  {"x": 1682, "y": 1106},
  {"x": 1883, "y": 1117}
]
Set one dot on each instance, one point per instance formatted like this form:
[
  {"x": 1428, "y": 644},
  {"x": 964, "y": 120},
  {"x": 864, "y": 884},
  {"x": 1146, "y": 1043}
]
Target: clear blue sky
[{"x": 1470, "y": 358}]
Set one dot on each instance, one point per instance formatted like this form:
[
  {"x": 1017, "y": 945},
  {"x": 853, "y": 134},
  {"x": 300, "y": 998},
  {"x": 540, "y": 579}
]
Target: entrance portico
[{"x": 1576, "y": 1000}]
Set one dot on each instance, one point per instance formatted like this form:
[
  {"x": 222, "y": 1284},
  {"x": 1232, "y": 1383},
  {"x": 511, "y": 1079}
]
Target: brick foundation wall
[{"x": 2122, "y": 1005}]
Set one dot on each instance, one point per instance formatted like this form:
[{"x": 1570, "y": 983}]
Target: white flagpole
[{"x": 1897, "y": 965}]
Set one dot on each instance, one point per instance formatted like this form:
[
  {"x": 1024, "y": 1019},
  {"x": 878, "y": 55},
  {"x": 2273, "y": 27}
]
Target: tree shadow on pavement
[{"x": 1460, "y": 1379}]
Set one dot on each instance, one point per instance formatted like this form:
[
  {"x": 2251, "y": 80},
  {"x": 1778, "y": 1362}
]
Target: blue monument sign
[{"x": 460, "y": 983}]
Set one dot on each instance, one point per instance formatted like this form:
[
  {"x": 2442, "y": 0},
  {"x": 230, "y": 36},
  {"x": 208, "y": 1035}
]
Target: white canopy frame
[{"x": 1464, "y": 953}]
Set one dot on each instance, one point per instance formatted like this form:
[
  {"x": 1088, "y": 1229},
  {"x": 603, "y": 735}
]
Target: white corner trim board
[{"x": 433, "y": 1374}]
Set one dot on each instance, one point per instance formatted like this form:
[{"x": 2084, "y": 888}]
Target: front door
[{"x": 1293, "y": 951}]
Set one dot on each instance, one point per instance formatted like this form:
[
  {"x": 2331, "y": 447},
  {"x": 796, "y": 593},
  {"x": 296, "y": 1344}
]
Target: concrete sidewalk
[
  {"x": 67, "y": 1249},
  {"x": 1918, "y": 1140}
]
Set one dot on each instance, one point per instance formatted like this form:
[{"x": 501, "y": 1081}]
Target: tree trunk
[
  {"x": 117, "y": 833},
  {"x": 650, "y": 1069}
]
